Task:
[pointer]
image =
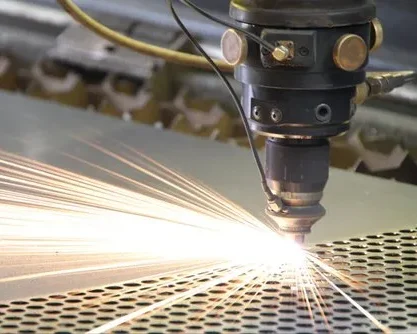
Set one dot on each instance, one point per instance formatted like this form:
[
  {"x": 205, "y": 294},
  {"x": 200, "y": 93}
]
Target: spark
[
  {"x": 174, "y": 299},
  {"x": 90, "y": 269},
  {"x": 46, "y": 210},
  {"x": 383, "y": 328}
]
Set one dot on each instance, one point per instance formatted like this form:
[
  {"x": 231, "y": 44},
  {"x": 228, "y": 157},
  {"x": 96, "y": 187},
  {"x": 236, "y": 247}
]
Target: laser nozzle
[{"x": 296, "y": 222}]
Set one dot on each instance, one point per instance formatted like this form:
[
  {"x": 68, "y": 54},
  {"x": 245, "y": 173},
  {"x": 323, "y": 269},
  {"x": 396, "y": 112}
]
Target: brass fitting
[
  {"x": 281, "y": 53},
  {"x": 378, "y": 83},
  {"x": 385, "y": 82},
  {"x": 362, "y": 93},
  {"x": 234, "y": 47},
  {"x": 350, "y": 52},
  {"x": 377, "y": 37}
]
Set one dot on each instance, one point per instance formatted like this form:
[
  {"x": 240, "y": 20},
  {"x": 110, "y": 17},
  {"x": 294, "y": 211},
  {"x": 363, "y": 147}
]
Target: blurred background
[{"x": 45, "y": 55}]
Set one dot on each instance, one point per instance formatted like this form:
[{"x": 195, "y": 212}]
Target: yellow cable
[{"x": 115, "y": 37}]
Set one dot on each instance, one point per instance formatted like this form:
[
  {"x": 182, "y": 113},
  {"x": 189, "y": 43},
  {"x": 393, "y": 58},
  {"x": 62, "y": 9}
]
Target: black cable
[
  {"x": 253, "y": 37},
  {"x": 235, "y": 98}
]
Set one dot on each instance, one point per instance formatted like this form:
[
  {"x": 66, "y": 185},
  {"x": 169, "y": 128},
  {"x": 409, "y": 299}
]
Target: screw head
[
  {"x": 257, "y": 113},
  {"x": 276, "y": 115},
  {"x": 234, "y": 47},
  {"x": 281, "y": 53},
  {"x": 303, "y": 51}
]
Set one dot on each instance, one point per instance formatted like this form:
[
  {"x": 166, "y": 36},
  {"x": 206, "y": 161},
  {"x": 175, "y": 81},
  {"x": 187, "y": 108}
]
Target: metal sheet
[
  {"x": 357, "y": 205},
  {"x": 384, "y": 266}
]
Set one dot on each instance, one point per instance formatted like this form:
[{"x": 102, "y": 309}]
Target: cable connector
[
  {"x": 276, "y": 205},
  {"x": 281, "y": 53},
  {"x": 378, "y": 83}
]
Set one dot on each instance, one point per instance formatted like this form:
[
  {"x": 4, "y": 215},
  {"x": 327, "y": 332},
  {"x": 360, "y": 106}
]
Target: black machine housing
[{"x": 300, "y": 103}]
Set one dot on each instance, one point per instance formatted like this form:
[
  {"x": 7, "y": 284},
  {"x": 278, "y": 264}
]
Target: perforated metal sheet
[{"x": 385, "y": 265}]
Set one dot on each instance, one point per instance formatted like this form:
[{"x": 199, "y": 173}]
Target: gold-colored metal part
[
  {"x": 392, "y": 74},
  {"x": 385, "y": 82},
  {"x": 378, "y": 83},
  {"x": 289, "y": 45},
  {"x": 350, "y": 52},
  {"x": 242, "y": 5},
  {"x": 234, "y": 47},
  {"x": 281, "y": 53},
  {"x": 378, "y": 34},
  {"x": 362, "y": 93},
  {"x": 173, "y": 56}
]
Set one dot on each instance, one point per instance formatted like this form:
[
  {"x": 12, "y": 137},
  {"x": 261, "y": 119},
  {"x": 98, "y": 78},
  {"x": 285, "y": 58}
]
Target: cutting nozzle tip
[
  {"x": 297, "y": 238},
  {"x": 294, "y": 223}
]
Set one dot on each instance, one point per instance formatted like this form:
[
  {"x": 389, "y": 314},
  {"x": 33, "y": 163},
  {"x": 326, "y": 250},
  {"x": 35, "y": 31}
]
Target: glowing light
[{"x": 44, "y": 209}]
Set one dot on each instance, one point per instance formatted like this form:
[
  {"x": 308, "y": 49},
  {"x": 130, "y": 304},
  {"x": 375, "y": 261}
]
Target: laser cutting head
[
  {"x": 303, "y": 95},
  {"x": 297, "y": 172}
]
